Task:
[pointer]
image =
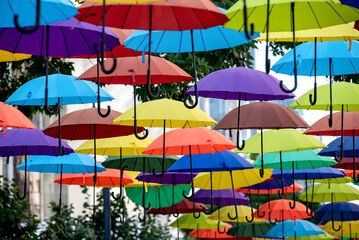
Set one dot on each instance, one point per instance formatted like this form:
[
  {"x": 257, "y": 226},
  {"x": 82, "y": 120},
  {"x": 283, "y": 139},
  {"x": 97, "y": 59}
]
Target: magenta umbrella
[{"x": 240, "y": 84}]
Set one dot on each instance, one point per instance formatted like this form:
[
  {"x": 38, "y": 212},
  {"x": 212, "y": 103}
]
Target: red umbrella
[
  {"x": 260, "y": 115},
  {"x": 347, "y": 163},
  {"x": 281, "y": 211},
  {"x": 213, "y": 233},
  {"x": 288, "y": 189},
  {"x": 344, "y": 124},
  {"x": 12, "y": 117},
  {"x": 185, "y": 206},
  {"x": 176, "y": 15}
]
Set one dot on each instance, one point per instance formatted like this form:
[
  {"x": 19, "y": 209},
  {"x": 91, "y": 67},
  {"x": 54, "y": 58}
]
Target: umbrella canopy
[
  {"x": 309, "y": 173},
  {"x": 288, "y": 189},
  {"x": 301, "y": 160},
  {"x": 220, "y": 197},
  {"x": 281, "y": 211},
  {"x": 252, "y": 229},
  {"x": 211, "y": 233},
  {"x": 228, "y": 83},
  {"x": 344, "y": 94},
  {"x": 30, "y": 142},
  {"x": 262, "y": 115},
  {"x": 13, "y": 118},
  {"x": 185, "y": 206},
  {"x": 173, "y": 178},
  {"x": 76, "y": 92},
  {"x": 350, "y": 125},
  {"x": 181, "y": 41},
  {"x": 166, "y": 15},
  {"x": 6, "y": 56},
  {"x": 72, "y": 163},
  {"x": 243, "y": 213},
  {"x": 136, "y": 183},
  {"x": 340, "y": 211},
  {"x": 341, "y": 32},
  {"x": 351, "y": 3},
  {"x": 347, "y": 163},
  {"x": 127, "y": 145},
  {"x": 86, "y": 124},
  {"x": 283, "y": 140},
  {"x": 108, "y": 178},
  {"x": 344, "y": 57},
  {"x": 335, "y": 180},
  {"x": 157, "y": 196},
  {"x": 185, "y": 141},
  {"x": 131, "y": 71},
  {"x": 176, "y": 115},
  {"x": 307, "y": 16},
  {"x": 323, "y": 193},
  {"x": 218, "y": 161},
  {"x": 135, "y": 163},
  {"x": 223, "y": 180},
  {"x": 324, "y": 236},
  {"x": 203, "y": 222},
  {"x": 51, "y": 11},
  {"x": 349, "y": 228},
  {"x": 334, "y": 147},
  {"x": 293, "y": 228},
  {"x": 63, "y": 39}
]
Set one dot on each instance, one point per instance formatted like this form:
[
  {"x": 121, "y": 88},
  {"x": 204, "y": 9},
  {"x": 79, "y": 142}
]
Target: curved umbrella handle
[
  {"x": 355, "y": 177},
  {"x": 267, "y": 60},
  {"x": 144, "y": 216},
  {"x": 184, "y": 192},
  {"x": 135, "y": 111},
  {"x": 37, "y": 21},
  {"x": 251, "y": 34},
  {"x": 8, "y": 156},
  {"x": 250, "y": 199},
  {"x": 119, "y": 196},
  {"x": 313, "y": 102},
  {"x": 238, "y": 119},
  {"x": 335, "y": 229},
  {"x": 294, "y": 200},
  {"x": 211, "y": 210},
  {"x": 25, "y": 182},
  {"x": 194, "y": 78},
  {"x": 159, "y": 203},
  {"x": 173, "y": 211},
  {"x": 219, "y": 230},
  {"x": 234, "y": 199},
  {"x": 294, "y": 56},
  {"x": 281, "y": 194},
  {"x": 47, "y": 109},
  {"x": 336, "y": 158},
  {"x": 330, "y": 121},
  {"x": 194, "y": 212},
  {"x": 264, "y": 213},
  {"x": 261, "y": 170}
]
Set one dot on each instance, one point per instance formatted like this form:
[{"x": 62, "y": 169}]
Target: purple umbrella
[
  {"x": 29, "y": 142},
  {"x": 240, "y": 84},
  {"x": 61, "y": 39},
  {"x": 168, "y": 178},
  {"x": 220, "y": 197}
]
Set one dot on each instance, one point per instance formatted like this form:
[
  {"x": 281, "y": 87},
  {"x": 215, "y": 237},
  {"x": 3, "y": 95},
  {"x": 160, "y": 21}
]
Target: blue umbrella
[
  {"x": 72, "y": 163},
  {"x": 339, "y": 211},
  {"x": 352, "y": 3},
  {"x": 21, "y": 13},
  {"x": 188, "y": 41},
  {"x": 334, "y": 147},
  {"x": 210, "y": 162},
  {"x": 322, "y": 59},
  {"x": 294, "y": 228}
]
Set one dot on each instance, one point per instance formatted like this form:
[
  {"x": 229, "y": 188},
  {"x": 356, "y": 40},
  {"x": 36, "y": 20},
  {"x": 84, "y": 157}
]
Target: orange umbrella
[
  {"x": 12, "y": 117},
  {"x": 213, "y": 233},
  {"x": 109, "y": 178},
  {"x": 281, "y": 211},
  {"x": 288, "y": 189},
  {"x": 188, "y": 141}
]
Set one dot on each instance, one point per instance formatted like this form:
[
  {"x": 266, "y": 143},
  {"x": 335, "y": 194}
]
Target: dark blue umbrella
[
  {"x": 352, "y": 3},
  {"x": 339, "y": 211},
  {"x": 211, "y": 162},
  {"x": 334, "y": 147}
]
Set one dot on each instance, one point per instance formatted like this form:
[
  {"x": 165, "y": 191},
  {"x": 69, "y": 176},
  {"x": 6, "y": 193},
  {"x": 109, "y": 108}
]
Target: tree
[{"x": 15, "y": 222}]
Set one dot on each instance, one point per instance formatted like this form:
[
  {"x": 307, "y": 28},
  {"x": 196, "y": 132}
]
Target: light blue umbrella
[
  {"x": 72, "y": 163},
  {"x": 62, "y": 90},
  {"x": 27, "y": 13},
  {"x": 188, "y": 41},
  {"x": 294, "y": 228},
  {"x": 321, "y": 59}
]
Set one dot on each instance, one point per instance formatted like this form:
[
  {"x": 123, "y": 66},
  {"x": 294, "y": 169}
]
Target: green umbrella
[
  {"x": 203, "y": 222},
  {"x": 251, "y": 229},
  {"x": 135, "y": 163},
  {"x": 157, "y": 196}
]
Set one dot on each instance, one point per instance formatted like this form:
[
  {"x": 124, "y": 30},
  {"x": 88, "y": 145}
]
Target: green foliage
[
  {"x": 15, "y": 222},
  {"x": 15, "y": 74}
]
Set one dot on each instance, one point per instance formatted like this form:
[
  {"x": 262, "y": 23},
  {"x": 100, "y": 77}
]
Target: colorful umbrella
[
  {"x": 351, "y": 3},
  {"x": 211, "y": 233},
  {"x": 222, "y": 197},
  {"x": 223, "y": 214},
  {"x": 202, "y": 222},
  {"x": 19, "y": 142},
  {"x": 72, "y": 163},
  {"x": 294, "y": 228},
  {"x": 349, "y": 229},
  {"x": 252, "y": 229},
  {"x": 283, "y": 16},
  {"x": 343, "y": 211},
  {"x": 17, "y": 14},
  {"x": 168, "y": 15},
  {"x": 255, "y": 85},
  {"x": 324, "y": 236},
  {"x": 6, "y": 56},
  {"x": 185, "y": 206},
  {"x": 261, "y": 115},
  {"x": 13, "y": 118}
]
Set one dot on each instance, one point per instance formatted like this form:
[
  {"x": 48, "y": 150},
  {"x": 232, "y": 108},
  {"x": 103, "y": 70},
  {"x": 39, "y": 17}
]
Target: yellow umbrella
[
  {"x": 126, "y": 145},
  {"x": 342, "y": 32},
  {"x": 335, "y": 180},
  {"x": 11, "y": 57},
  {"x": 164, "y": 113},
  {"x": 243, "y": 213},
  {"x": 349, "y": 229},
  {"x": 136, "y": 183}
]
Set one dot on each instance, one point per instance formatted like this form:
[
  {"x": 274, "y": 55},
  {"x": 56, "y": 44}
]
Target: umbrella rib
[
  {"x": 315, "y": 16},
  {"x": 159, "y": 42},
  {"x": 127, "y": 12},
  {"x": 87, "y": 43},
  {"x": 350, "y": 60},
  {"x": 63, "y": 35}
]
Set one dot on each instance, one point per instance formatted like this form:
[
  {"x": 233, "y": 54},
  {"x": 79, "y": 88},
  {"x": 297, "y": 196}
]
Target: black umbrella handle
[
  {"x": 313, "y": 102},
  {"x": 37, "y": 21},
  {"x": 145, "y": 135},
  {"x": 336, "y": 158},
  {"x": 250, "y": 199},
  {"x": 251, "y": 34},
  {"x": 194, "y": 78},
  {"x": 25, "y": 182}
]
